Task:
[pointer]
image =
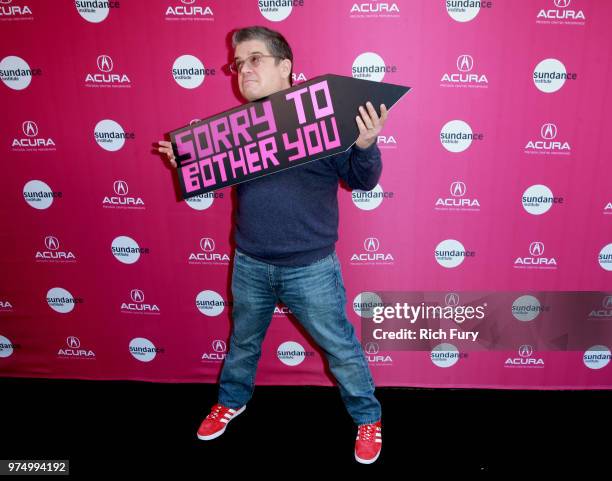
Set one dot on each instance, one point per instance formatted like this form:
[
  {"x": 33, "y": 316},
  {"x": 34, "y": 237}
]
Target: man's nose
[{"x": 246, "y": 68}]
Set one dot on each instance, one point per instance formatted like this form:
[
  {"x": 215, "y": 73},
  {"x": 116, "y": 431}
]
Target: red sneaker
[
  {"x": 215, "y": 423},
  {"x": 368, "y": 442}
]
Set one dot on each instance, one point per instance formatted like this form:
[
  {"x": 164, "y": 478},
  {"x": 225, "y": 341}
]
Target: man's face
[{"x": 265, "y": 79}]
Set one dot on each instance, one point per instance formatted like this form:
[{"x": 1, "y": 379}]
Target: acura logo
[
  {"x": 525, "y": 350},
  {"x": 536, "y": 248},
  {"x": 120, "y": 187},
  {"x": 451, "y": 299},
  {"x": 465, "y": 63},
  {"x": 219, "y": 345},
  {"x": 137, "y": 295},
  {"x": 371, "y": 244},
  {"x": 457, "y": 189},
  {"x": 73, "y": 342},
  {"x": 207, "y": 244},
  {"x": 562, "y": 3},
  {"x": 371, "y": 348},
  {"x": 548, "y": 131},
  {"x": 51, "y": 243},
  {"x": 105, "y": 63},
  {"x": 30, "y": 128}
]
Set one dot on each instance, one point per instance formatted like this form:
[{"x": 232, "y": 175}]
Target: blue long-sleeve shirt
[{"x": 290, "y": 218}]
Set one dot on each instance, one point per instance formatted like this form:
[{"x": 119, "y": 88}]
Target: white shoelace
[
  {"x": 215, "y": 413},
  {"x": 366, "y": 432}
]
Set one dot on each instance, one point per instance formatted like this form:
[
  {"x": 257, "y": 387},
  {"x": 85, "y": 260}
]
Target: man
[{"x": 286, "y": 230}]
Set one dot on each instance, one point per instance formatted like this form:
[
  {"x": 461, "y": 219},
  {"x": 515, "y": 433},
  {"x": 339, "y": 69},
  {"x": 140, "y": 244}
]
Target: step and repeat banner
[{"x": 483, "y": 258}]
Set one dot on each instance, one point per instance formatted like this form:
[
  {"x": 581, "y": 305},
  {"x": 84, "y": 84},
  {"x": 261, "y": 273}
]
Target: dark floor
[{"x": 142, "y": 429}]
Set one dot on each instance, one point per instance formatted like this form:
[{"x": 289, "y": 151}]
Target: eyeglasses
[{"x": 254, "y": 60}]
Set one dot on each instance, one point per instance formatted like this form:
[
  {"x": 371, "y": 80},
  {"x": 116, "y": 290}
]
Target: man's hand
[
  {"x": 370, "y": 124},
  {"x": 165, "y": 147}
]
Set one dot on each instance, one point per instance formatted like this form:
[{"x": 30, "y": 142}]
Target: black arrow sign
[{"x": 309, "y": 121}]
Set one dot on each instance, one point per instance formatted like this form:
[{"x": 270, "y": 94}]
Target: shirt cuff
[{"x": 367, "y": 150}]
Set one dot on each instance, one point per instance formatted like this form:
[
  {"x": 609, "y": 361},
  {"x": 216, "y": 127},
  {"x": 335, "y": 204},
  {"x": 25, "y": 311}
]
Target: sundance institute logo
[
  {"x": 278, "y": 10},
  {"x": 95, "y": 11},
  {"x": 189, "y": 71},
  {"x": 550, "y": 75},
  {"x": 466, "y": 10},
  {"x": 15, "y": 72}
]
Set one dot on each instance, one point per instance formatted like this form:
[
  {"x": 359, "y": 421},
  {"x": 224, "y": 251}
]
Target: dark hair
[{"x": 275, "y": 42}]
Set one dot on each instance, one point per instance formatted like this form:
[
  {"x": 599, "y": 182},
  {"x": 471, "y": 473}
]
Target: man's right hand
[{"x": 165, "y": 147}]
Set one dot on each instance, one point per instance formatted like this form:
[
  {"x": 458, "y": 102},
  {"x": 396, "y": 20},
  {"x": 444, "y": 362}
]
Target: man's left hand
[{"x": 370, "y": 124}]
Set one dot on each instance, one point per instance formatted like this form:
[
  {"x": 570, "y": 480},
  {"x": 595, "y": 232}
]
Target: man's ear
[{"x": 286, "y": 68}]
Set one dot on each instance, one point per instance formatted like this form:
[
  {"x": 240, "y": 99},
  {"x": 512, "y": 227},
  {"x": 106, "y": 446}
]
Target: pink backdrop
[{"x": 76, "y": 80}]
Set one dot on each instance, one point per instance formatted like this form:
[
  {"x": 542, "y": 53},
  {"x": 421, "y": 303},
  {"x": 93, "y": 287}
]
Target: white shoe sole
[
  {"x": 219, "y": 433},
  {"x": 368, "y": 461}
]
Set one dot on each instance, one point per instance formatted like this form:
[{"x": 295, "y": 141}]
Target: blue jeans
[{"x": 315, "y": 294}]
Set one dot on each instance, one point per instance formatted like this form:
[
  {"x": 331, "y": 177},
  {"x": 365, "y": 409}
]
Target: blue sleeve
[{"x": 360, "y": 168}]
